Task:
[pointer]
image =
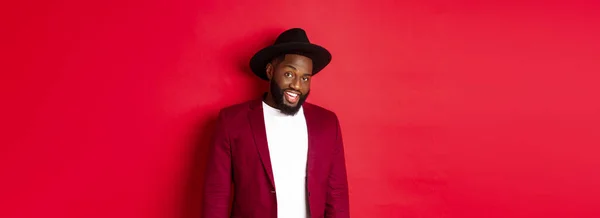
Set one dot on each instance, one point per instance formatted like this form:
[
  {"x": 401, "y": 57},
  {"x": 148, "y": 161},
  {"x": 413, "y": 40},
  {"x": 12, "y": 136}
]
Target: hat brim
[{"x": 319, "y": 55}]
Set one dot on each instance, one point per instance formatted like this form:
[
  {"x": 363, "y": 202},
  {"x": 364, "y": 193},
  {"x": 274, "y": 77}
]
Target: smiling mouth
[{"x": 291, "y": 97}]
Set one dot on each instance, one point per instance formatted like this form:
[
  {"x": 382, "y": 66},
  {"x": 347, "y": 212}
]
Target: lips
[{"x": 291, "y": 97}]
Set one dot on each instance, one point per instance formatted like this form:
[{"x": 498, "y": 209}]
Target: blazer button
[
  {"x": 273, "y": 191},
  {"x": 308, "y": 194}
]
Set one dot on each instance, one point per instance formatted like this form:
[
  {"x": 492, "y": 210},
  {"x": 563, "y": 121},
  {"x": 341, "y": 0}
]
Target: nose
[{"x": 295, "y": 83}]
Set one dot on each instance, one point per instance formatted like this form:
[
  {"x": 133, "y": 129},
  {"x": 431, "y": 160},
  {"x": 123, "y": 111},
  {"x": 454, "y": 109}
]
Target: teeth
[{"x": 292, "y": 94}]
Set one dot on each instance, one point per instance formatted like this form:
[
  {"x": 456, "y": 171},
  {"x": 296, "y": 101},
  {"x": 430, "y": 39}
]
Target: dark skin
[{"x": 292, "y": 74}]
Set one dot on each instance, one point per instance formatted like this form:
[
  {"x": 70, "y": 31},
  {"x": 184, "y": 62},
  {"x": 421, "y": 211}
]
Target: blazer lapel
[
  {"x": 257, "y": 123},
  {"x": 312, "y": 123}
]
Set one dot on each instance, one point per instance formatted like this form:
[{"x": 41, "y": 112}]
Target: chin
[{"x": 291, "y": 105}]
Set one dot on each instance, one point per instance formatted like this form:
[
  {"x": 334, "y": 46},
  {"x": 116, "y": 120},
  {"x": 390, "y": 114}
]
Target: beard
[{"x": 277, "y": 94}]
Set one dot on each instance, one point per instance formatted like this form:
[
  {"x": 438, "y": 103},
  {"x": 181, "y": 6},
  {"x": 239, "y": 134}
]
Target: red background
[{"x": 448, "y": 108}]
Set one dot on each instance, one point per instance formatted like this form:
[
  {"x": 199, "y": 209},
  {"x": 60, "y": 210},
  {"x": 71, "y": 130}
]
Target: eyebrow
[{"x": 290, "y": 66}]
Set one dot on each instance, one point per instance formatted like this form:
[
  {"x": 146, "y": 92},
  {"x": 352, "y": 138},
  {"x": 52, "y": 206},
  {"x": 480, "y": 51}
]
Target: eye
[
  {"x": 305, "y": 79},
  {"x": 287, "y": 74}
]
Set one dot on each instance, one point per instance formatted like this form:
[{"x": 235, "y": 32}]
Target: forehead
[{"x": 300, "y": 62}]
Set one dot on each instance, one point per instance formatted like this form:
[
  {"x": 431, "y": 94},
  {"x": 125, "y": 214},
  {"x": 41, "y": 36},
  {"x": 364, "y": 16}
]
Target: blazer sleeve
[
  {"x": 218, "y": 177},
  {"x": 337, "y": 205}
]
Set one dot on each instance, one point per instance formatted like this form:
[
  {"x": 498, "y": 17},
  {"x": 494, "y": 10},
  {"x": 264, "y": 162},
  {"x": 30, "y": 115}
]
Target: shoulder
[
  {"x": 235, "y": 111},
  {"x": 321, "y": 112},
  {"x": 236, "y": 107}
]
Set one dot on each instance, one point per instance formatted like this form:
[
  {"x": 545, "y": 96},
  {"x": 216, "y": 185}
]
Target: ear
[{"x": 270, "y": 70}]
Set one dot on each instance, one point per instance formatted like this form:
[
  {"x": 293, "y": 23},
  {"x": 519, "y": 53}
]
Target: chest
[{"x": 287, "y": 140}]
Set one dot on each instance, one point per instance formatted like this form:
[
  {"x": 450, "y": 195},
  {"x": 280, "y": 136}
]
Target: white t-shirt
[{"x": 287, "y": 138}]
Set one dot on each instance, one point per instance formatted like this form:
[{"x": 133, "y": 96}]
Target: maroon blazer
[{"x": 239, "y": 156}]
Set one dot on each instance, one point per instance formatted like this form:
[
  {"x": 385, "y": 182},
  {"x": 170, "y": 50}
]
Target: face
[{"x": 290, "y": 79}]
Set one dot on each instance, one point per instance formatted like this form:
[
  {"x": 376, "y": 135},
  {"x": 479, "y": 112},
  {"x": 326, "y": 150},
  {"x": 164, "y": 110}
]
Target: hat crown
[{"x": 292, "y": 35}]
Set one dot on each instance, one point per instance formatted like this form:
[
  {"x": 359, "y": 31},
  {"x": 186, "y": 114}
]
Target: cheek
[
  {"x": 306, "y": 87},
  {"x": 279, "y": 81},
  {"x": 283, "y": 85},
  {"x": 284, "y": 82}
]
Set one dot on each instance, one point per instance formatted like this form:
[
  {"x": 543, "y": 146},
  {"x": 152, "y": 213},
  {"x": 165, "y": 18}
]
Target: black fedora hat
[{"x": 292, "y": 41}]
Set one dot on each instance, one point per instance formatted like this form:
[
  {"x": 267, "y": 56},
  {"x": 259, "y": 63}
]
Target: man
[{"x": 283, "y": 157}]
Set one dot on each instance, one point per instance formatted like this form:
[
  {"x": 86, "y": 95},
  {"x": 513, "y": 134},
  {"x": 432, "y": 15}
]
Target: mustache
[{"x": 293, "y": 90}]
